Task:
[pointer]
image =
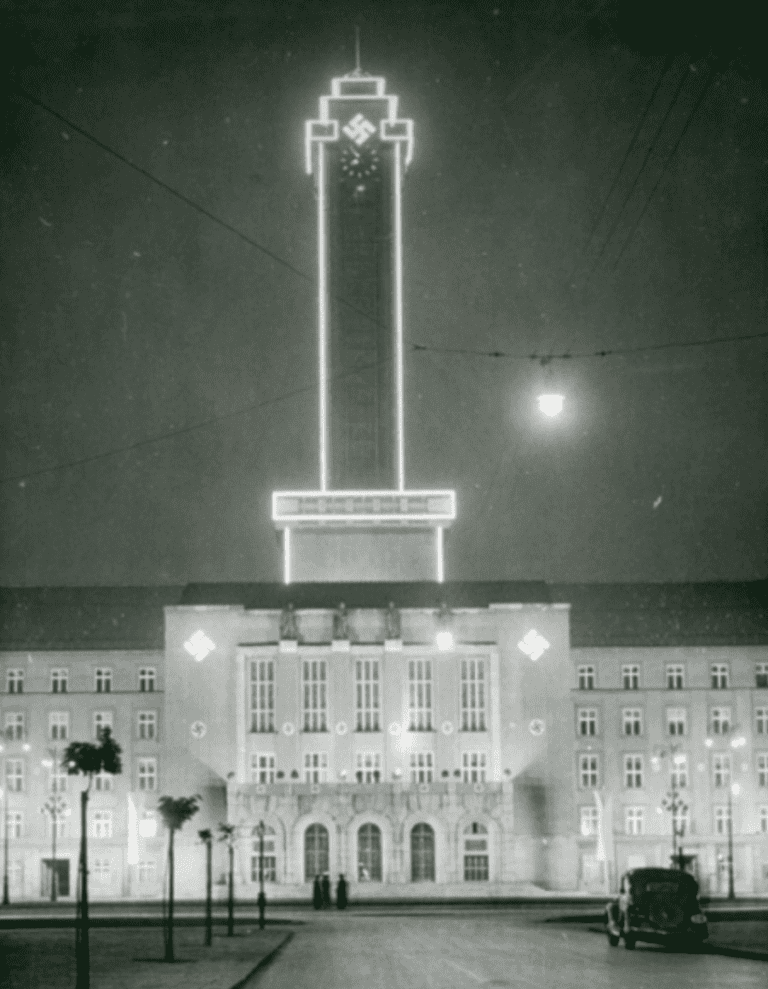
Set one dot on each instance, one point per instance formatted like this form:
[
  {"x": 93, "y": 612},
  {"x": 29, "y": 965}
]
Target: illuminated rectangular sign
[{"x": 415, "y": 509}]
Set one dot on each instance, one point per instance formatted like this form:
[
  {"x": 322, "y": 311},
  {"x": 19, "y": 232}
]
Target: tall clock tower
[{"x": 361, "y": 523}]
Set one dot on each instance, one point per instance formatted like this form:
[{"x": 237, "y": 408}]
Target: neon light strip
[
  {"x": 347, "y": 517},
  {"x": 308, "y": 146},
  {"x": 400, "y": 427},
  {"x": 286, "y": 556},
  {"x": 440, "y": 557},
  {"x": 322, "y": 315},
  {"x": 368, "y": 493}
]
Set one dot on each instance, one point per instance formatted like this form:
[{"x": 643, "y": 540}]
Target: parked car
[{"x": 657, "y": 905}]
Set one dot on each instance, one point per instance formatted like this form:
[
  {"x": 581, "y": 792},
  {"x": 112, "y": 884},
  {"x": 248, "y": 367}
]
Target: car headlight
[{"x": 698, "y": 918}]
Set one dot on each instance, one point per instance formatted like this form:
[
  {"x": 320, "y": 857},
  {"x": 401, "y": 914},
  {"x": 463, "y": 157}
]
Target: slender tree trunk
[
  {"x": 82, "y": 947},
  {"x": 231, "y": 897},
  {"x": 169, "y": 937},
  {"x": 208, "y": 893}
]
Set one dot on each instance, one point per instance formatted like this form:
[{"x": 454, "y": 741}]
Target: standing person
[
  {"x": 341, "y": 892},
  {"x": 317, "y": 894},
  {"x": 326, "y": 887}
]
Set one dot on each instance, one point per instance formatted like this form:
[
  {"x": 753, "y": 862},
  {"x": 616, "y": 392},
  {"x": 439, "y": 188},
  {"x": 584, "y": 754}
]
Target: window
[
  {"x": 722, "y": 817},
  {"x": 720, "y": 718},
  {"x": 634, "y": 820},
  {"x": 147, "y": 872},
  {"x": 587, "y": 718},
  {"x": 472, "y": 695},
  {"x": 147, "y": 725},
  {"x": 719, "y": 676},
  {"x": 147, "y": 679},
  {"x": 633, "y": 772},
  {"x": 678, "y": 776},
  {"x": 101, "y": 719},
  {"x": 762, "y": 769},
  {"x": 761, "y": 720},
  {"x": 675, "y": 676},
  {"x": 473, "y": 767},
  {"x": 262, "y": 767},
  {"x": 102, "y": 782},
  {"x": 315, "y": 767},
  {"x": 367, "y": 695},
  {"x": 764, "y": 819},
  {"x": 269, "y": 863},
  {"x": 632, "y": 721},
  {"x": 315, "y": 851},
  {"x": 58, "y": 726},
  {"x": 57, "y": 779},
  {"x": 14, "y": 680},
  {"x": 102, "y": 824},
  {"x": 761, "y": 674},
  {"x": 421, "y": 767},
  {"x": 721, "y": 769},
  {"x": 59, "y": 681},
  {"x": 368, "y": 767},
  {"x": 148, "y": 774},
  {"x": 589, "y": 821},
  {"x": 420, "y": 695},
  {"x": 676, "y": 720},
  {"x": 369, "y": 854},
  {"x": 681, "y": 821},
  {"x": 103, "y": 681},
  {"x": 262, "y": 695},
  {"x": 101, "y": 870},
  {"x": 588, "y": 771},
  {"x": 15, "y": 824},
  {"x": 14, "y": 775},
  {"x": 630, "y": 677},
  {"x": 586, "y": 677},
  {"x": 422, "y": 854},
  {"x": 14, "y": 726},
  {"x": 315, "y": 698},
  {"x": 476, "y": 853}
]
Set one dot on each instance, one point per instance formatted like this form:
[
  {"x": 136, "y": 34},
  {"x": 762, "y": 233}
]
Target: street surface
[{"x": 348, "y": 951}]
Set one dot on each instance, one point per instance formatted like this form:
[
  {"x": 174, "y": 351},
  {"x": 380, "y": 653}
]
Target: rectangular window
[
  {"x": 630, "y": 676},
  {"x": 633, "y": 772},
  {"x": 15, "y": 824},
  {"x": 721, "y": 819},
  {"x": 102, "y": 824},
  {"x": 676, "y": 720},
  {"x": 262, "y": 695},
  {"x": 681, "y": 820},
  {"x": 147, "y": 872},
  {"x": 101, "y": 719},
  {"x": 262, "y": 767},
  {"x": 586, "y": 677},
  {"x": 421, "y": 767},
  {"x": 720, "y": 720},
  {"x": 721, "y": 770},
  {"x": 634, "y": 820},
  {"x": 267, "y": 869},
  {"x": 632, "y": 721},
  {"x": 14, "y": 775},
  {"x": 147, "y": 725},
  {"x": 147, "y": 679},
  {"x": 473, "y": 765},
  {"x": 59, "y": 681},
  {"x": 315, "y": 695},
  {"x": 102, "y": 782},
  {"x": 761, "y": 720},
  {"x": 589, "y": 821},
  {"x": 103, "y": 681},
  {"x": 14, "y": 681},
  {"x": 368, "y": 767},
  {"x": 587, "y": 719},
  {"x": 148, "y": 774},
  {"x": 678, "y": 776},
  {"x": 762, "y": 769},
  {"x": 315, "y": 767},
  {"x": 472, "y": 695},
  {"x": 420, "y": 695},
  {"x": 589, "y": 771},
  {"x": 57, "y": 779},
  {"x": 101, "y": 870},
  {"x": 675, "y": 676},
  {"x": 14, "y": 726},
  {"x": 761, "y": 674},
  {"x": 367, "y": 695},
  {"x": 58, "y": 726},
  {"x": 719, "y": 676},
  {"x": 764, "y": 819}
]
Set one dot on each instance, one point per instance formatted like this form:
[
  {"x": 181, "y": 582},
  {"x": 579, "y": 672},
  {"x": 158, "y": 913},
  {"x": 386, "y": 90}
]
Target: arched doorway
[
  {"x": 315, "y": 851},
  {"x": 369, "y": 853},
  {"x": 476, "y": 853},
  {"x": 422, "y": 854}
]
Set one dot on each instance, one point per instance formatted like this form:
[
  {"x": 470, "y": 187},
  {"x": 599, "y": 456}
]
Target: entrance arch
[
  {"x": 422, "y": 853},
  {"x": 315, "y": 851}
]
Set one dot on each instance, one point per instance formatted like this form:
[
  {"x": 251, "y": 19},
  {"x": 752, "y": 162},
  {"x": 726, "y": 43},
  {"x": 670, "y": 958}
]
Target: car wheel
[
  {"x": 613, "y": 939},
  {"x": 629, "y": 942}
]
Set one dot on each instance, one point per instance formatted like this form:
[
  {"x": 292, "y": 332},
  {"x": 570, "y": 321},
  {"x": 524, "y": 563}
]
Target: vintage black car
[{"x": 657, "y": 905}]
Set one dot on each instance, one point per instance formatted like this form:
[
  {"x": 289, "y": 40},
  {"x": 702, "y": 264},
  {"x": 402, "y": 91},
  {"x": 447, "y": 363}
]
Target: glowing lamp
[
  {"x": 444, "y": 635},
  {"x": 147, "y": 827},
  {"x": 736, "y": 743},
  {"x": 679, "y": 760},
  {"x": 551, "y": 405},
  {"x": 444, "y": 640},
  {"x": 708, "y": 742},
  {"x": 735, "y": 789}
]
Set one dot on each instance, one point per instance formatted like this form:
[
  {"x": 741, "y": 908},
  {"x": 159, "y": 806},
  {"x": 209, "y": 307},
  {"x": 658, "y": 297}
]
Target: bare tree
[{"x": 175, "y": 812}]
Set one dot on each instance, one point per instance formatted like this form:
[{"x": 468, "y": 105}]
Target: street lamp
[
  {"x": 733, "y": 791},
  {"x": 262, "y": 901},
  {"x": 677, "y": 808},
  {"x": 57, "y": 807}
]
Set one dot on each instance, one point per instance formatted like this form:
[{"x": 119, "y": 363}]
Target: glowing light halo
[
  {"x": 286, "y": 555},
  {"x": 440, "y": 555},
  {"x": 443, "y": 518},
  {"x": 551, "y": 404}
]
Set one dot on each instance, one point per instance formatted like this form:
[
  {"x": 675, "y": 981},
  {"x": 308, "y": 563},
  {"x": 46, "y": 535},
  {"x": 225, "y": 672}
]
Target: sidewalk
[
  {"x": 131, "y": 958},
  {"x": 736, "y": 938}
]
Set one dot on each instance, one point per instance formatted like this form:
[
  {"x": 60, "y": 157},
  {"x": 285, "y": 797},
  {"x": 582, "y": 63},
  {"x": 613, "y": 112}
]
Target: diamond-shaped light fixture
[
  {"x": 533, "y": 644},
  {"x": 199, "y": 645}
]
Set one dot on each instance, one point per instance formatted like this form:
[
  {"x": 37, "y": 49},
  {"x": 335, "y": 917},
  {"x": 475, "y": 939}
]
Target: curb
[
  {"x": 263, "y": 962},
  {"x": 713, "y": 948}
]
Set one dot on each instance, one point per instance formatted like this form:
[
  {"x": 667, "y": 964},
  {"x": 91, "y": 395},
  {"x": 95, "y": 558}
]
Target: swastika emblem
[
  {"x": 359, "y": 129},
  {"x": 198, "y": 729},
  {"x": 533, "y": 645}
]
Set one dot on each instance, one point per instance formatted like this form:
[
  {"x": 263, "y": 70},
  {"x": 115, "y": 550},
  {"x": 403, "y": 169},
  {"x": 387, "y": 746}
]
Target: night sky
[{"x": 585, "y": 180}]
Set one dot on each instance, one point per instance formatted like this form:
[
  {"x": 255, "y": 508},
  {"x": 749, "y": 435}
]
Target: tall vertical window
[
  {"x": 57, "y": 780},
  {"x": 761, "y": 720},
  {"x": 102, "y": 870},
  {"x": 103, "y": 680},
  {"x": 681, "y": 820},
  {"x": 101, "y": 824},
  {"x": 587, "y": 720},
  {"x": 422, "y": 853},
  {"x": 14, "y": 726},
  {"x": 720, "y": 720},
  {"x": 761, "y": 674},
  {"x": 16, "y": 824},
  {"x": 369, "y": 853},
  {"x": 147, "y": 679},
  {"x": 269, "y": 865},
  {"x": 315, "y": 695},
  {"x": 422, "y": 767},
  {"x": 472, "y": 695},
  {"x": 262, "y": 695},
  {"x": 632, "y": 721},
  {"x": 420, "y": 695},
  {"x": 634, "y": 820},
  {"x": 586, "y": 677},
  {"x": 58, "y": 726},
  {"x": 367, "y": 695},
  {"x": 14, "y": 681},
  {"x": 315, "y": 851},
  {"x": 473, "y": 765},
  {"x": 147, "y": 872},
  {"x": 102, "y": 782},
  {"x": 722, "y": 816},
  {"x": 589, "y": 821},
  {"x": 262, "y": 767},
  {"x": 762, "y": 769},
  {"x": 676, "y": 720},
  {"x": 368, "y": 767},
  {"x": 476, "y": 853},
  {"x": 675, "y": 676},
  {"x": 148, "y": 774},
  {"x": 147, "y": 725},
  {"x": 315, "y": 767},
  {"x": 589, "y": 774},
  {"x": 633, "y": 772},
  {"x": 719, "y": 676},
  {"x": 101, "y": 720},
  {"x": 678, "y": 776},
  {"x": 764, "y": 819},
  {"x": 59, "y": 681},
  {"x": 721, "y": 770},
  {"x": 630, "y": 676}
]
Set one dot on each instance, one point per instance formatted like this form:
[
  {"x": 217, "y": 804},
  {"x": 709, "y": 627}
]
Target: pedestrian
[
  {"x": 341, "y": 892},
  {"x": 317, "y": 894},
  {"x": 326, "y": 890}
]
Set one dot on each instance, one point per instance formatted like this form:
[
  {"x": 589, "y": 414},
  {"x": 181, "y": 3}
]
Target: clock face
[{"x": 359, "y": 163}]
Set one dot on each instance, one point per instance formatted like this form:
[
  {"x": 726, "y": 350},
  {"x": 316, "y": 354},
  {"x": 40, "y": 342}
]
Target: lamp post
[
  {"x": 262, "y": 901},
  {"x": 57, "y": 807},
  {"x": 4, "y": 795},
  {"x": 733, "y": 791}
]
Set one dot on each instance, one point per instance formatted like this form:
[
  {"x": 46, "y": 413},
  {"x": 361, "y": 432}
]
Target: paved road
[{"x": 348, "y": 951}]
